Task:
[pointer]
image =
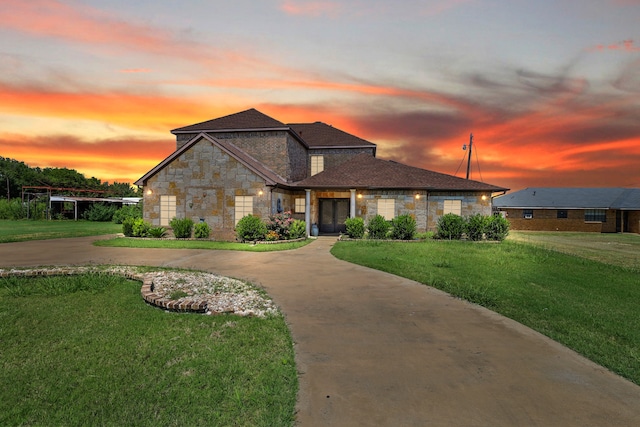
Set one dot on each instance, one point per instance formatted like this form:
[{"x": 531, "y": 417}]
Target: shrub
[
  {"x": 298, "y": 229},
  {"x": 355, "y": 227},
  {"x": 450, "y": 226},
  {"x": 378, "y": 227},
  {"x": 99, "y": 212},
  {"x": 272, "y": 236},
  {"x": 182, "y": 227},
  {"x": 140, "y": 228},
  {"x": 127, "y": 227},
  {"x": 497, "y": 228},
  {"x": 403, "y": 227},
  {"x": 12, "y": 209},
  {"x": 476, "y": 226},
  {"x": 281, "y": 224},
  {"x": 157, "y": 232},
  {"x": 127, "y": 211},
  {"x": 250, "y": 228},
  {"x": 201, "y": 230}
]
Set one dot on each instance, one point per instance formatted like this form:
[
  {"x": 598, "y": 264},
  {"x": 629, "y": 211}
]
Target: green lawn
[
  {"x": 21, "y": 230},
  {"x": 86, "y": 350},
  {"x": 590, "y": 306}
]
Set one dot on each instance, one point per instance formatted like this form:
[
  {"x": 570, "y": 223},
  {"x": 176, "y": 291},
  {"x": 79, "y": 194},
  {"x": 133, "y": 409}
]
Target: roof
[
  {"x": 314, "y": 135},
  {"x": 366, "y": 171},
  {"x": 322, "y": 135},
  {"x": 571, "y": 198},
  {"x": 270, "y": 177},
  {"x": 251, "y": 119}
]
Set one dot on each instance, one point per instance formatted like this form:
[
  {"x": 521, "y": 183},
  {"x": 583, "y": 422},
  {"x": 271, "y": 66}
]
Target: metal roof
[{"x": 571, "y": 198}]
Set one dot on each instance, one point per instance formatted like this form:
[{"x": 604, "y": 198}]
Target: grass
[
  {"x": 86, "y": 350},
  {"x": 587, "y": 305},
  {"x": 22, "y": 230},
  {"x": 132, "y": 242}
]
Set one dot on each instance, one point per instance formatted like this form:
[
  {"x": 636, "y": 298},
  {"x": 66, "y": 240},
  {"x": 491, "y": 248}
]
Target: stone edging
[{"x": 146, "y": 291}]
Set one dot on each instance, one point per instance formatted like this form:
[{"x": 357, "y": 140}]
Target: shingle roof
[
  {"x": 571, "y": 198},
  {"x": 322, "y": 135},
  {"x": 244, "y": 120},
  {"x": 366, "y": 171}
]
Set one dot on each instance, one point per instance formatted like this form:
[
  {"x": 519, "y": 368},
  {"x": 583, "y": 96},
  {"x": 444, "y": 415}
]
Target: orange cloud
[
  {"x": 310, "y": 8},
  {"x": 623, "y": 46}
]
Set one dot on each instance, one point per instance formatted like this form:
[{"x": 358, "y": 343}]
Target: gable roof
[
  {"x": 270, "y": 177},
  {"x": 322, "y": 135},
  {"x": 251, "y": 119},
  {"x": 366, "y": 171},
  {"x": 571, "y": 198}
]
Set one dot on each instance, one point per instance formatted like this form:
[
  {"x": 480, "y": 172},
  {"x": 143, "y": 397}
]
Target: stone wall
[
  {"x": 205, "y": 181},
  {"x": 336, "y": 156}
]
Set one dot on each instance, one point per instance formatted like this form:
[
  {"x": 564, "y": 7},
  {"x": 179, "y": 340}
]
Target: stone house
[
  {"x": 249, "y": 163},
  {"x": 601, "y": 210}
]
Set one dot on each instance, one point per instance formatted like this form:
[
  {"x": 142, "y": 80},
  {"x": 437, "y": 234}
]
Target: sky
[{"x": 550, "y": 90}]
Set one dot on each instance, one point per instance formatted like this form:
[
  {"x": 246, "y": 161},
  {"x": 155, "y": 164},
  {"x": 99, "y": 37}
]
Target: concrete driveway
[{"x": 375, "y": 349}]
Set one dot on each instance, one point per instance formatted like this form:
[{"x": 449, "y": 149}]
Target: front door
[{"x": 333, "y": 213}]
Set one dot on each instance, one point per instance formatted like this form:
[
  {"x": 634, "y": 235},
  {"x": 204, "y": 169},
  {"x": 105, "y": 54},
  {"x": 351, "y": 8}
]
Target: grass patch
[
  {"x": 22, "y": 230},
  {"x": 132, "y": 242},
  {"x": 587, "y": 305},
  {"x": 86, "y": 350}
]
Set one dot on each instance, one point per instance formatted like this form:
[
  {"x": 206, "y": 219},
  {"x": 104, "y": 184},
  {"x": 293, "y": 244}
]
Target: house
[
  {"x": 603, "y": 210},
  {"x": 249, "y": 163}
]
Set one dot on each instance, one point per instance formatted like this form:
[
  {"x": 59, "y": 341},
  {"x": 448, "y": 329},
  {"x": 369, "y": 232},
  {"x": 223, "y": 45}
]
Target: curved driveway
[{"x": 374, "y": 349}]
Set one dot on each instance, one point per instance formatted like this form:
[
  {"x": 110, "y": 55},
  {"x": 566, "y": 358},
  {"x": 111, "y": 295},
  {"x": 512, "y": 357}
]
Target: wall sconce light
[
  {"x": 149, "y": 192},
  {"x": 417, "y": 196},
  {"x": 260, "y": 193},
  {"x": 359, "y": 196},
  {"x": 484, "y": 197}
]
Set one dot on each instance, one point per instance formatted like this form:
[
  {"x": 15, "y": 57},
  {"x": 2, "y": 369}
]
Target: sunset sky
[{"x": 549, "y": 89}]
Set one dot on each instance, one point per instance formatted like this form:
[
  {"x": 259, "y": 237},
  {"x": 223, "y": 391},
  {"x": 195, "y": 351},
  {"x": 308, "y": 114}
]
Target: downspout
[
  {"x": 307, "y": 211},
  {"x": 352, "y": 206}
]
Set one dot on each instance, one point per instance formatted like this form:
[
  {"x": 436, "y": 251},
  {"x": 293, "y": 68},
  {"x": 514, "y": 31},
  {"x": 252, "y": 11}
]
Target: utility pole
[{"x": 464, "y": 147}]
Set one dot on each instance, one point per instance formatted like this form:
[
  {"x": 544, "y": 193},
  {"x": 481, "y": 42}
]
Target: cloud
[
  {"x": 622, "y": 46},
  {"x": 311, "y": 8},
  {"x": 117, "y": 159}
]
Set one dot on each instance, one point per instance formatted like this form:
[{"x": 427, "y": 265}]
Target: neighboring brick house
[
  {"x": 250, "y": 163},
  {"x": 602, "y": 210}
]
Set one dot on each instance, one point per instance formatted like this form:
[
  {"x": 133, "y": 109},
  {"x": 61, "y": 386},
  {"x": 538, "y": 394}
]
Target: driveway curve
[{"x": 374, "y": 349}]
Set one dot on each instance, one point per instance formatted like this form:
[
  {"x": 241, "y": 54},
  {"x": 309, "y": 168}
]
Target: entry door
[{"x": 333, "y": 213}]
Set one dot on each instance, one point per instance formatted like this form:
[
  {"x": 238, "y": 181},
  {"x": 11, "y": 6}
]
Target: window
[
  {"x": 527, "y": 213},
  {"x": 452, "y": 206},
  {"x": 595, "y": 215},
  {"x": 300, "y": 206},
  {"x": 167, "y": 209},
  {"x": 244, "y": 207},
  {"x": 387, "y": 208},
  {"x": 562, "y": 213},
  {"x": 317, "y": 164}
]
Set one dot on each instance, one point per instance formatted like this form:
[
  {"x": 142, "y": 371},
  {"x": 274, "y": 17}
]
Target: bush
[
  {"x": 12, "y": 209},
  {"x": 298, "y": 229},
  {"x": 476, "y": 226},
  {"x": 497, "y": 228},
  {"x": 201, "y": 230},
  {"x": 450, "y": 226},
  {"x": 127, "y": 227},
  {"x": 378, "y": 227},
  {"x": 403, "y": 227},
  {"x": 127, "y": 211},
  {"x": 280, "y": 224},
  {"x": 99, "y": 212},
  {"x": 355, "y": 227},
  {"x": 182, "y": 227},
  {"x": 157, "y": 232},
  {"x": 251, "y": 228},
  {"x": 140, "y": 228}
]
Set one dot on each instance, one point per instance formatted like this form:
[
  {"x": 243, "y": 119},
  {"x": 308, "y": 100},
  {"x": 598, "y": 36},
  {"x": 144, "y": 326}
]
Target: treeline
[{"x": 15, "y": 174}]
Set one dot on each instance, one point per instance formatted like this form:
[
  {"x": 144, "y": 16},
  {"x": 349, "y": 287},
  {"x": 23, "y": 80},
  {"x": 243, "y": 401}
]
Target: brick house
[
  {"x": 602, "y": 210},
  {"x": 249, "y": 163}
]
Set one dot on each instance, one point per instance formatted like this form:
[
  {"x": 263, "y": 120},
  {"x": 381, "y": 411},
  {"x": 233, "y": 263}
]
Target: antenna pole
[{"x": 469, "y": 159}]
